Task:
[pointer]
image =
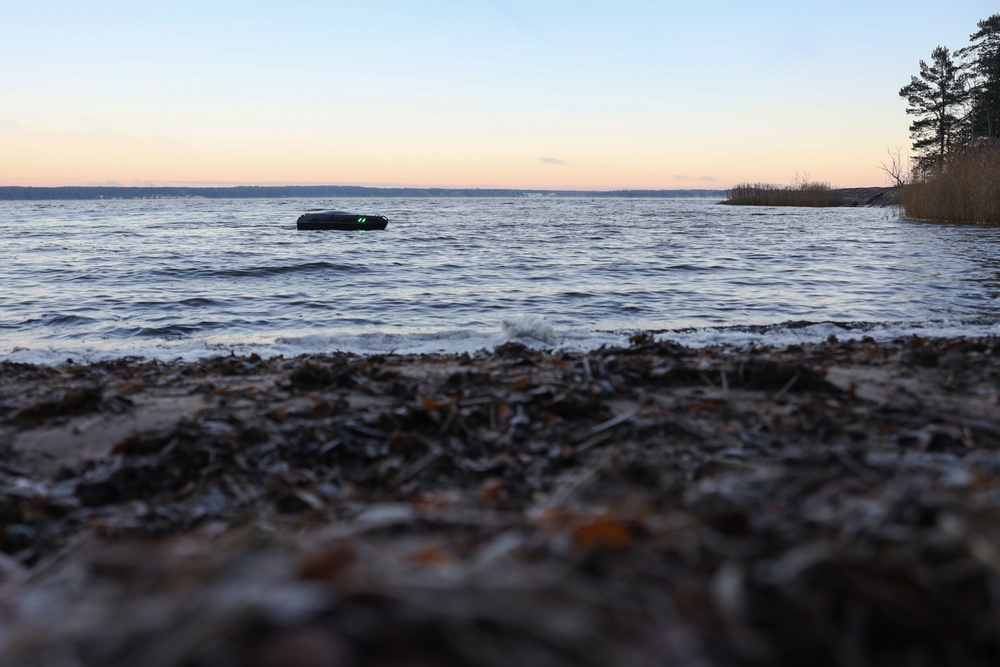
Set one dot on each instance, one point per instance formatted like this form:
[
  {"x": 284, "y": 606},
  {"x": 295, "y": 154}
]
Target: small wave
[
  {"x": 530, "y": 326},
  {"x": 170, "y": 332},
  {"x": 291, "y": 268},
  {"x": 186, "y": 342},
  {"x": 259, "y": 271},
  {"x": 61, "y": 320}
]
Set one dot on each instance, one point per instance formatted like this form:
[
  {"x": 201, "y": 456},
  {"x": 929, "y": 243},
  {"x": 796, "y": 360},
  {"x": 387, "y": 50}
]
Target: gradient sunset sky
[{"x": 490, "y": 93}]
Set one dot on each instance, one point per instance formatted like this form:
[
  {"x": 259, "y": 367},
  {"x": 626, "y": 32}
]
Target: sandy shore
[{"x": 827, "y": 504}]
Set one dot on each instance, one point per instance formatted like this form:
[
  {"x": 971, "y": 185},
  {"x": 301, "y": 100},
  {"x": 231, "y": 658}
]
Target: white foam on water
[
  {"x": 532, "y": 331},
  {"x": 532, "y": 327}
]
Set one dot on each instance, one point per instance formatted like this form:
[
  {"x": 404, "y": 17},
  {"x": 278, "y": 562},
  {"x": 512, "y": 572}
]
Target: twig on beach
[
  {"x": 604, "y": 426},
  {"x": 788, "y": 386}
]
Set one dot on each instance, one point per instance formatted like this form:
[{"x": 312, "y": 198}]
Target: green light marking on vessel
[{"x": 362, "y": 220}]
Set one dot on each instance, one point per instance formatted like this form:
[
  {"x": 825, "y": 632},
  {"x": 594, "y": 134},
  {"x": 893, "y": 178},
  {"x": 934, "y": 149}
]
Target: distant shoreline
[
  {"x": 19, "y": 193},
  {"x": 872, "y": 196}
]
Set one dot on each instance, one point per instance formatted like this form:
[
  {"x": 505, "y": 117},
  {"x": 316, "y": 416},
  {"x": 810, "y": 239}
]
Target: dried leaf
[{"x": 603, "y": 532}]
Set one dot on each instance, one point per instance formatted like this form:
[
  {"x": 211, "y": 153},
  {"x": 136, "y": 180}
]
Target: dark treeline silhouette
[
  {"x": 955, "y": 101},
  {"x": 9, "y": 193}
]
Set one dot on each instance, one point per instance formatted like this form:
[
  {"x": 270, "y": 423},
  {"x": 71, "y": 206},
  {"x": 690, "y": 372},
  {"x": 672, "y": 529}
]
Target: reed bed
[
  {"x": 767, "y": 194},
  {"x": 965, "y": 189}
]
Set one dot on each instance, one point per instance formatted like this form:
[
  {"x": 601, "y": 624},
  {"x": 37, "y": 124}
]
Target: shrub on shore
[
  {"x": 765, "y": 194},
  {"x": 964, "y": 188}
]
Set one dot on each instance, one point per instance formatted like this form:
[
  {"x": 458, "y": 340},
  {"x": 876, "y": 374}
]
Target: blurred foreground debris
[{"x": 830, "y": 504}]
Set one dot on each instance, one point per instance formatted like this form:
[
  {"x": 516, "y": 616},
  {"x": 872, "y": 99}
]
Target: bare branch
[{"x": 898, "y": 168}]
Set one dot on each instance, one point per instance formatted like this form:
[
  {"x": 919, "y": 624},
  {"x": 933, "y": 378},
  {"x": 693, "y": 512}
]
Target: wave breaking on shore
[{"x": 531, "y": 330}]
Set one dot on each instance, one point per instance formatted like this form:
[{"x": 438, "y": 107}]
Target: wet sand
[{"x": 823, "y": 504}]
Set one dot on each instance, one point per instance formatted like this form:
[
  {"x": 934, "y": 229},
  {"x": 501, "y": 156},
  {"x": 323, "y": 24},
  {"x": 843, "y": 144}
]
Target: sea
[{"x": 169, "y": 279}]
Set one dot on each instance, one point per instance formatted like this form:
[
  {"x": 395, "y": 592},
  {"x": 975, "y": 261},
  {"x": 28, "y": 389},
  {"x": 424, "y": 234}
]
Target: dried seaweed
[{"x": 831, "y": 504}]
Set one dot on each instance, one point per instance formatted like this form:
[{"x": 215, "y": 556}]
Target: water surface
[{"x": 190, "y": 276}]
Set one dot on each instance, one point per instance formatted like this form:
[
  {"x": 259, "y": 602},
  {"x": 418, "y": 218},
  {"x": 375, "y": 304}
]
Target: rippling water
[{"x": 182, "y": 277}]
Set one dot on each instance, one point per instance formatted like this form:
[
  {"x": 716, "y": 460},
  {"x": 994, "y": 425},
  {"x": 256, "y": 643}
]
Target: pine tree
[
  {"x": 984, "y": 73},
  {"x": 937, "y": 98}
]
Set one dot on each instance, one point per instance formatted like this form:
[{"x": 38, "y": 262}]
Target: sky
[{"x": 541, "y": 94}]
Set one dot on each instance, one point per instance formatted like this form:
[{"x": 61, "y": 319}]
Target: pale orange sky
[{"x": 505, "y": 94}]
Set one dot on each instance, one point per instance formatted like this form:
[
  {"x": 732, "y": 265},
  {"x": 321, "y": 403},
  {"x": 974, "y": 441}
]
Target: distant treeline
[{"x": 10, "y": 193}]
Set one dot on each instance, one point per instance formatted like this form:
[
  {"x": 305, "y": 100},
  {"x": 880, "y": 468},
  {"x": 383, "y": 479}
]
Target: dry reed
[
  {"x": 767, "y": 194},
  {"x": 965, "y": 189}
]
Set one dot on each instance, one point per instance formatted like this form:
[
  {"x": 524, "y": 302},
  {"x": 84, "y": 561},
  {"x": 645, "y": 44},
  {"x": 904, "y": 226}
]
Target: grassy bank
[
  {"x": 767, "y": 194},
  {"x": 965, "y": 189}
]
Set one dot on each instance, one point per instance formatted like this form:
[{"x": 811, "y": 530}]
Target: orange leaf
[{"x": 604, "y": 531}]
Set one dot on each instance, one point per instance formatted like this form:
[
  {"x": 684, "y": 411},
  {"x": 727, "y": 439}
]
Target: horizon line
[
  {"x": 236, "y": 185},
  {"x": 358, "y": 186}
]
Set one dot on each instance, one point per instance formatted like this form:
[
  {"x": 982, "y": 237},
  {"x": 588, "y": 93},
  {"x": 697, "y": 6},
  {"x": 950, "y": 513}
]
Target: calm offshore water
[{"x": 188, "y": 277}]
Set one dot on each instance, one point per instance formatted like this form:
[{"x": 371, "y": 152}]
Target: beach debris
[{"x": 829, "y": 504}]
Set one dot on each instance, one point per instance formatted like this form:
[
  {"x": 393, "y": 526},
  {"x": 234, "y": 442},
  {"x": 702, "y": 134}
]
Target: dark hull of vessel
[{"x": 341, "y": 220}]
